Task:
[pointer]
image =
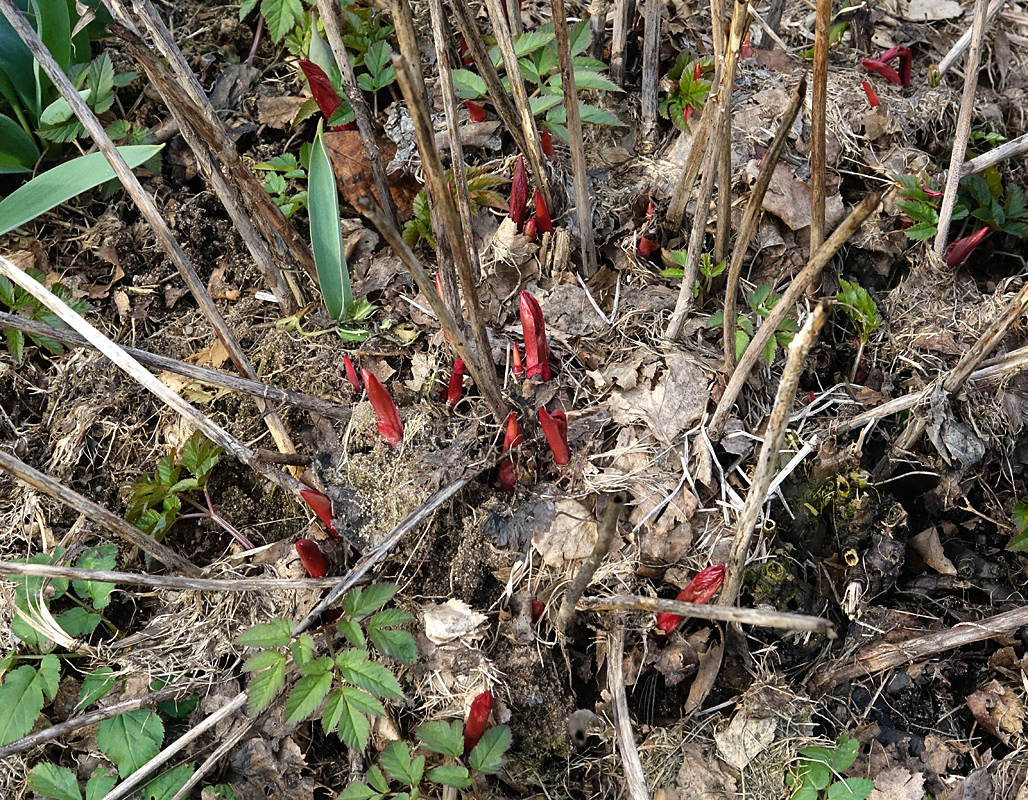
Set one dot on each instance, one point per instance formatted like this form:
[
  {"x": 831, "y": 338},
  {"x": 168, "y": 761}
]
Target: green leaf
[
  {"x": 168, "y": 784},
  {"x": 844, "y": 753},
  {"x": 362, "y": 701},
  {"x": 18, "y": 151},
  {"x": 98, "y": 592},
  {"x": 487, "y": 757},
  {"x": 317, "y": 666},
  {"x": 49, "y": 676},
  {"x": 245, "y": 8},
  {"x": 95, "y": 685},
  {"x": 805, "y": 792},
  {"x": 742, "y": 341},
  {"x": 377, "y": 57},
  {"x": 451, "y": 775},
  {"x": 56, "y": 782},
  {"x": 851, "y": 789},
  {"x": 530, "y": 41},
  {"x": 361, "y": 601},
  {"x": 377, "y": 779},
  {"x": 266, "y": 684},
  {"x": 587, "y": 79},
  {"x": 354, "y": 728},
  {"x": 921, "y": 230},
  {"x": 326, "y": 235},
  {"x": 351, "y": 631},
  {"x": 396, "y": 760},
  {"x": 580, "y": 36},
  {"x": 78, "y": 621},
  {"x": 303, "y": 649},
  {"x": 442, "y": 737},
  {"x": 131, "y": 739},
  {"x": 21, "y": 700},
  {"x": 281, "y": 16},
  {"x": 55, "y": 186},
  {"x": 816, "y": 774},
  {"x": 100, "y": 783},
  {"x": 199, "y": 456},
  {"x": 276, "y": 633},
  {"x": 357, "y": 791},
  {"x": 467, "y": 84},
  {"x": 307, "y": 695},
  {"x": 372, "y": 677}
]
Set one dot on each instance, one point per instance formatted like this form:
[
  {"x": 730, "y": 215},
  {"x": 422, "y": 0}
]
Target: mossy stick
[{"x": 604, "y": 537}]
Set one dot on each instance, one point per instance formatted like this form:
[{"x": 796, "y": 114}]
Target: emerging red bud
[
  {"x": 542, "y": 214},
  {"x": 351, "y": 373},
  {"x": 512, "y": 438},
  {"x": 547, "y": 144},
  {"x": 478, "y": 720},
  {"x": 872, "y": 98},
  {"x": 517, "y": 369},
  {"x": 884, "y": 70},
  {"x": 519, "y": 194},
  {"x": 476, "y": 111},
  {"x": 530, "y": 228},
  {"x": 537, "y": 351},
  {"x": 456, "y": 386},
  {"x": 389, "y": 423},
  {"x": 321, "y": 506},
  {"x": 555, "y": 426},
  {"x": 312, "y": 558},
  {"x": 700, "y": 589},
  {"x": 958, "y": 251},
  {"x": 324, "y": 93},
  {"x": 647, "y": 247}
]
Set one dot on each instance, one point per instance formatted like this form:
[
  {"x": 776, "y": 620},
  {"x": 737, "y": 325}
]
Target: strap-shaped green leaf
[{"x": 326, "y": 235}]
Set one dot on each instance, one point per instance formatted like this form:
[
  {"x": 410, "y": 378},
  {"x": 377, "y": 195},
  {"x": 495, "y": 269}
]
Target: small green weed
[
  {"x": 480, "y": 190},
  {"x": 281, "y": 176},
  {"x": 816, "y": 776},
  {"x": 20, "y": 302},
  {"x": 760, "y": 301},
  {"x": 983, "y": 196},
  {"x": 863, "y": 312},
  {"x": 688, "y": 91},
  {"x": 707, "y": 268}
]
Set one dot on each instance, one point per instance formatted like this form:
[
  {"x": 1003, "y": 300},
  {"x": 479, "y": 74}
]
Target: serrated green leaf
[
  {"x": 131, "y": 739},
  {"x": 377, "y": 779},
  {"x": 844, "y": 753},
  {"x": 281, "y": 16},
  {"x": 468, "y": 85},
  {"x": 851, "y": 789},
  {"x": 100, "y": 783},
  {"x": 530, "y": 41},
  {"x": 354, "y": 728},
  {"x": 397, "y": 644},
  {"x": 307, "y": 695},
  {"x": 95, "y": 685},
  {"x": 77, "y": 621},
  {"x": 487, "y": 757},
  {"x": 167, "y": 785},
  {"x": 302, "y": 649},
  {"x": 441, "y": 737},
  {"x": 372, "y": 677},
  {"x": 358, "y": 791},
  {"x": 96, "y": 558},
  {"x": 351, "y": 631},
  {"x": 396, "y": 760},
  {"x": 742, "y": 341},
  {"x": 580, "y": 36},
  {"x": 55, "y": 782},
  {"x": 451, "y": 775},
  {"x": 587, "y": 79},
  {"x": 263, "y": 660},
  {"x": 265, "y": 685},
  {"x": 21, "y": 700},
  {"x": 317, "y": 666},
  {"x": 362, "y": 701},
  {"x": 389, "y": 618},
  {"x": 276, "y": 633},
  {"x": 364, "y": 600}
]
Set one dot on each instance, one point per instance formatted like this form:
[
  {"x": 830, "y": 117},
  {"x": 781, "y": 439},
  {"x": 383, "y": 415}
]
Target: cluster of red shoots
[
  {"x": 881, "y": 66},
  {"x": 958, "y": 251},
  {"x": 324, "y": 93},
  {"x": 647, "y": 247},
  {"x": 700, "y": 589},
  {"x": 518, "y": 206}
]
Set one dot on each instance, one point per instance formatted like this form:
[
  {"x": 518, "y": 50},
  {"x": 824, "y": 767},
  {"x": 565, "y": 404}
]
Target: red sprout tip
[
  {"x": 389, "y": 423},
  {"x": 321, "y": 506},
  {"x": 555, "y": 427},
  {"x": 700, "y": 589},
  {"x": 312, "y": 558},
  {"x": 476, "y": 111},
  {"x": 537, "y": 350},
  {"x": 478, "y": 720},
  {"x": 351, "y": 374},
  {"x": 519, "y": 194}
]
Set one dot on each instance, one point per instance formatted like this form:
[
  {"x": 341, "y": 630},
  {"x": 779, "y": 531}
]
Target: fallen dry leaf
[
  {"x": 571, "y": 535},
  {"x": 930, "y": 10},
  {"x": 927, "y": 545},
  {"x": 898, "y": 783},
  {"x": 701, "y": 777},
  {"x": 999, "y": 710},
  {"x": 669, "y": 405},
  {"x": 744, "y": 739},
  {"x": 353, "y": 172},
  {"x": 447, "y": 621}
]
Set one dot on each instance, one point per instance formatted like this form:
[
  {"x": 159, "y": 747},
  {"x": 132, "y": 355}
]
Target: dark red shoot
[
  {"x": 884, "y": 70},
  {"x": 555, "y": 427},
  {"x": 456, "y": 386},
  {"x": 872, "y": 98},
  {"x": 547, "y": 144},
  {"x": 906, "y": 62},
  {"x": 537, "y": 351},
  {"x": 958, "y": 251},
  {"x": 324, "y": 93},
  {"x": 476, "y": 111},
  {"x": 351, "y": 374},
  {"x": 389, "y": 423},
  {"x": 530, "y": 229},
  {"x": 517, "y": 369},
  {"x": 542, "y": 215},
  {"x": 478, "y": 720},
  {"x": 700, "y": 589},
  {"x": 512, "y": 438},
  {"x": 647, "y": 247},
  {"x": 312, "y": 558},
  {"x": 519, "y": 194},
  {"x": 321, "y": 506}
]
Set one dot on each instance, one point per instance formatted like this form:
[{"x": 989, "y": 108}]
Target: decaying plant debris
[{"x": 858, "y": 471}]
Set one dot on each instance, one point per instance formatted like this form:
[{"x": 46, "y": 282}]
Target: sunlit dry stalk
[
  {"x": 652, "y": 19},
  {"x": 583, "y": 203},
  {"x": 619, "y": 41},
  {"x": 740, "y": 26},
  {"x": 818, "y": 130},
  {"x": 805, "y": 277},
  {"x": 361, "y": 113},
  {"x": 752, "y": 215},
  {"x": 767, "y": 461}
]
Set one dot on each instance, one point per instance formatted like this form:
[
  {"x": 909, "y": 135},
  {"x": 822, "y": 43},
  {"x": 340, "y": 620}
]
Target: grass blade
[{"x": 326, "y": 235}]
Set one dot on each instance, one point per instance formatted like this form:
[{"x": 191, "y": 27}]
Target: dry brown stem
[
  {"x": 695, "y": 246},
  {"x": 115, "y": 524},
  {"x": 740, "y": 24},
  {"x": 697, "y": 151},
  {"x": 818, "y": 128},
  {"x": 768, "y": 459},
  {"x": 619, "y": 41},
  {"x": 744, "y": 616},
  {"x": 635, "y": 778},
  {"x": 329, "y": 12},
  {"x": 974, "y": 58},
  {"x": 583, "y": 204},
  {"x": 210, "y": 376},
  {"x": 803, "y": 279},
  {"x": 960, "y": 46},
  {"x": 653, "y": 12},
  {"x": 997, "y": 155},
  {"x": 752, "y": 215}
]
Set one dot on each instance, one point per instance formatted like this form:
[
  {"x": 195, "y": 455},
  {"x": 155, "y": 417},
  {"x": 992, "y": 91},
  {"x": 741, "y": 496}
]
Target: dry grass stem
[
  {"x": 960, "y": 46},
  {"x": 635, "y": 778},
  {"x": 440, "y": 192},
  {"x": 695, "y": 246},
  {"x": 580, "y": 176},
  {"x": 212, "y": 377},
  {"x": 745, "y": 616},
  {"x": 146, "y": 205},
  {"x": 115, "y": 524},
  {"x": 619, "y": 41},
  {"x": 769, "y": 325},
  {"x": 223, "y": 749},
  {"x": 290, "y": 249},
  {"x": 770, "y": 24},
  {"x": 329, "y": 12},
  {"x": 697, "y": 151},
  {"x": 481, "y": 369},
  {"x": 974, "y": 58},
  {"x": 166, "y": 581},
  {"x": 886, "y": 655},
  {"x": 818, "y": 126},
  {"x": 604, "y": 537},
  {"x": 752, "y": 215},
  {"x": 135, "y": 370},
  {"x": 529, "y": 132},
  {"x": 652, "y": 18},
  {"x": 997, "y": 155},
  {"x": 740, "y": 24},
  {"x": 60, "y": 731},
  {"x": 768, "y": 459},
  {"x": 460, "y": 178}
]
